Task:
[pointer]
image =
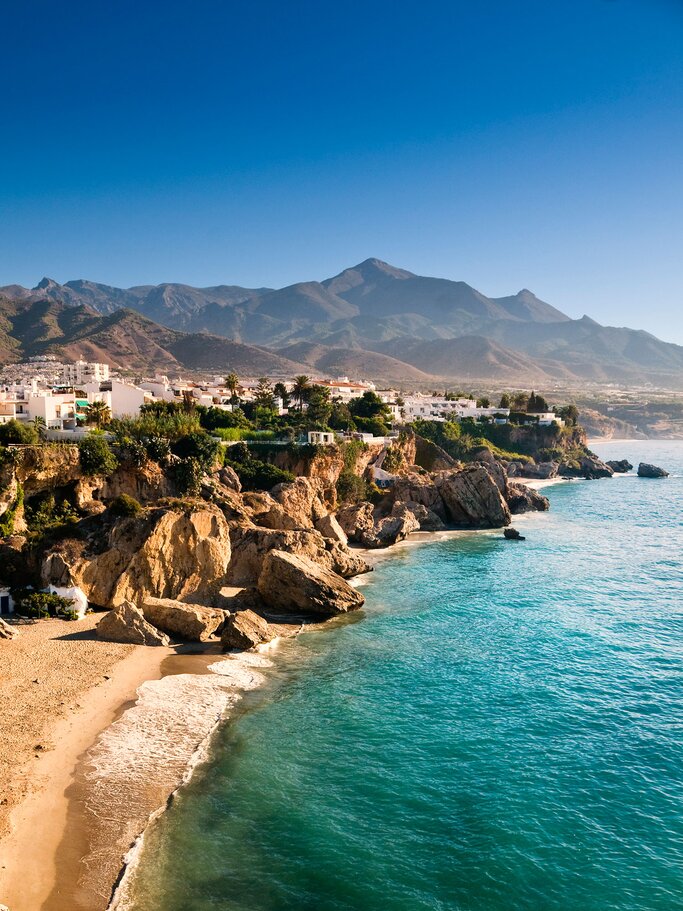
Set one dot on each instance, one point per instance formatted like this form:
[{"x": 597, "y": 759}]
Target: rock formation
[
  {"x": 293, "y": 583},
  {"x": 645, "y": 470},
  {"x": 472, "y": 498},
  {"x": 126, "y": 623},
  {"x": 245, "y": 629},
  {"x": 189, "y": 621},
  {"x": 162, "y": 553},
  {"x": 525, "y": 499},
  {"x": 619, "y": 466},
  {"x": 7, "y": 631}
]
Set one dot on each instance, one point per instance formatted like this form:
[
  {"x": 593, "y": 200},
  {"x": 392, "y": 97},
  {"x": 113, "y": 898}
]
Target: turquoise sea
[{"x": 501, "y": 730}]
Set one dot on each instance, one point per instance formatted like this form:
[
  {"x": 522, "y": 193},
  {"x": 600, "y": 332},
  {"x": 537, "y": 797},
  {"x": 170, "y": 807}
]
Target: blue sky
[{"x": 507, "y": 143}]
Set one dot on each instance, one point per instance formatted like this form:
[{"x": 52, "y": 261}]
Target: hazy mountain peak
[{"x": 47, "y": 284}]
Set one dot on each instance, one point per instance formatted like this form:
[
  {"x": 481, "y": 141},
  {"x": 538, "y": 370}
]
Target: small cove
[{"x": 501, "y": 730}]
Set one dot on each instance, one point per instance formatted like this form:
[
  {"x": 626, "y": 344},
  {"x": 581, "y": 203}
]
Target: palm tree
[
  {"x": 232, "y": 382},
  {"x": 300, "y": 387},
  {"x": 39, "y": 426},
  {"x": 99, "y": 414}
]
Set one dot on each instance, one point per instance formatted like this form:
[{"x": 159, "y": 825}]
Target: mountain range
[{"x": 372, "y": 320}]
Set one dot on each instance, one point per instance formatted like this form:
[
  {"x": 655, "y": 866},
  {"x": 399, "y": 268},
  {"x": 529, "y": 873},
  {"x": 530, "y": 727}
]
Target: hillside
[
  {"x": 125, "y": 340},
  {"x": 332, "y": 362},
  {"x": 377, "y": 308}
]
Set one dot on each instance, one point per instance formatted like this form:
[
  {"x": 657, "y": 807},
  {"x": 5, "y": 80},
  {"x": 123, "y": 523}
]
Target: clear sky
[{"x": 507, "y": 143}]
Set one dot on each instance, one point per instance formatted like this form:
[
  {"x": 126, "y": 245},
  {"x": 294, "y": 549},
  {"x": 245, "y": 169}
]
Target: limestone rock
[
  {"x": 513, "y": 535},
  {"x": 538, "y": 470},
  {"x": 396, "y": 527},
  {"x": 245, "y": 629},
  {"x": 229, "y": 478},
  {"x": 126, "y": 623},
  {"x": 7, "y": 631},
  {"x": 162, "y": 553},
  {"x": 472, "y": 498},
  {"x": 589, "y": 466},
  {"x": 291, "y": 583},
  {"x": 329, "y": 528},
  {"x": 357, "y": 522},
  {"x": 428, "y": 520},
  {"x": 645, "y": 470},
  {"x": 189, "y": 621},
  {"x": 525, "y": 499},
  {"x": 420, "y": 488},
  {"x": 301, "y": 500},
  {"x": 251, "y": 545},
  {"x": 619, "y": 466}
]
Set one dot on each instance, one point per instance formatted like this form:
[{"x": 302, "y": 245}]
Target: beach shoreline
[{"x": 58, "y": 789}]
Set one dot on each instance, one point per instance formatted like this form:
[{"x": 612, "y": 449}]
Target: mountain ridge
[{"x": 375, "y": 307}]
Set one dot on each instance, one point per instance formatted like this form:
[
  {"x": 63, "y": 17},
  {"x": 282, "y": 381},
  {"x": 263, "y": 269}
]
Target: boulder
[
  {"x": 292, "y": 583},
  {"x": 588, "y": 466},
  {"x": 645, "y": 470},
  {"x": 251, "y": 545},
  {"x": 358, "y": 522},
  {"x": 7, "y": 631},
  {"x": 245, "y": 629},
  {"x": 229, "y": 478},
  {"x": 513, "y": 535},
  {"x": 525, "y": 499},
  {"x": 329, "y": 528},
  {"x": 472, "y": 498},
  {"x": 395, "y": 527},
  {"x": 301, "y": 500},
  {"x": 189, "y": 621},
  {"x": 420, "y": 488},
  {"x": 126, "y": 623},
  {"x": 538, "y": 470},
  {"x": 426, "y": 518},
  {"x": 619, "y": 466},
  {"x": 179, "y": 553}
]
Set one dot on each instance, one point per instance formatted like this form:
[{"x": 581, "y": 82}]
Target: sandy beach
[{"x": 61, "y": 687}]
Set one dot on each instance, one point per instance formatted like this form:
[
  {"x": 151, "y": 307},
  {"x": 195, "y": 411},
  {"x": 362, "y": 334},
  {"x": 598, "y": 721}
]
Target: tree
[
  {"x": 39, "y": 426},
  {"x": 264, "y": 397},
  {"x": 96, "y": 456},
  {"x": 281, "y": 392},
  {"x": 319, "y": 405},
  {"x": 340, "y": 417},
  {"x": 484, "y": 402},
  {"x": 232, "y": 384},
  {"x": 189, "y": 403},
  {"x": 99, "y": 414},
  {"x": 504, "y": 400},
  {"x": 519, "y": 401},
  {"x": 537, "y": 404},
  {"x": 300, "y": 389},
  {"x": 15, "y": 432},
  {"x": 370, "y": 405},
  {"x": 569, "y": 414}
]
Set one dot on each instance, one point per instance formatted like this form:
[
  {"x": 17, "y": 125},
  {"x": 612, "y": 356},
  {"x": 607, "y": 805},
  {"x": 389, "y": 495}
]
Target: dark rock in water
[
  {"x": 620, "y": 466},
  {"x": 525, "y": 499},
  {"x": 651, "y": 471},
  {"x": 513, "y": 535},
  {"x": 588, "y": 466}
]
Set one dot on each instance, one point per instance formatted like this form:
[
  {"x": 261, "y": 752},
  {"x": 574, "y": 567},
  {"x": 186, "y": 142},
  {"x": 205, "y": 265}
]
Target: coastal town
[{"x": 59, "y": 397}]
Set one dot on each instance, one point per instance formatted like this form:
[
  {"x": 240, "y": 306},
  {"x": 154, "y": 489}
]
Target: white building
[
  {"x": 344, "y": 389},
  {"x": 83, "y": 372},
  {"x": 122, "y": 399},
  {"x": 6, "y": 602},
  {"x": 546, "y": 418}
]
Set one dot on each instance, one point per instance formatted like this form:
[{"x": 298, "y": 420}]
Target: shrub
[
  {"x": 96, "y": 456},
  {"x": 45, "y": 516},
  {"x": 198, "y": 445},
  {"x": 38, "y": 605},
  {"x": 124, "y": 506},
  {"x": 350, "y": 487},
  {"x": 16, "y": 432},
  {"x": 188, "y": 474},
  {"x": 257, "y": 475},
  {"x": 8, "y": 517}
]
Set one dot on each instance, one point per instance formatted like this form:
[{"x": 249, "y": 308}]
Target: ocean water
[{"x": 501, "y": 730}]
